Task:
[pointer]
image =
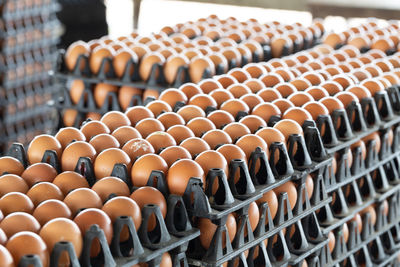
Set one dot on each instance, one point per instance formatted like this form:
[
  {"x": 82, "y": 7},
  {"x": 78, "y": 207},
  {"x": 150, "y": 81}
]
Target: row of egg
[
  {"x": 176, "y": 51},
  {"x": 23, "y": 5},
  {"x": 367, "y": 36}
]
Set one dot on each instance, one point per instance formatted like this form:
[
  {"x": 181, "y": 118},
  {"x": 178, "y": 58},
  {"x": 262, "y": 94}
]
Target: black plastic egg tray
[{"x": 24, "y": 11}]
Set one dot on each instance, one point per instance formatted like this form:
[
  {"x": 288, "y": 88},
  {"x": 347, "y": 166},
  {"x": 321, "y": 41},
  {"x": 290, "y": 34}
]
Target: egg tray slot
[
  {"x": 378, "y": 241},
  {"x": 131, "y": 76},
  {"x": 141, "y": 246},
  {"x": 307, "y": 242},
  {"x": 25, "y": 11},
  {"x": 388, "y": 154}
]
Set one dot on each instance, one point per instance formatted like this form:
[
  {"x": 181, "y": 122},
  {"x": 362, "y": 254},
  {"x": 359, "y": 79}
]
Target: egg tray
[
  {"x": 24, "y": 12},
  {"x": 142, "y": 245},
  {"x": 156, "y": 78},
  {"x": 42, "y": 21},
  {"x": 27, "y": 46},
  {"x": 380, "y": 241},
  {"x": 388, "y": 154}
]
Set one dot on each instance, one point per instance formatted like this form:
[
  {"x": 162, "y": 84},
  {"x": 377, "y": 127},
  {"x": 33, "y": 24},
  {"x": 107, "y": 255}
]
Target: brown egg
[
  {"x": 359, "y": 91},
  {"x": 191, "y": 111},
  {"x": 285, "y": 89},
  {"x": 51, "y": 209},
  {"x": 300, "y": 98},
  {"x": 86, "y": 218},
  {"x": 195, "y": 145},
  {"x": 125, "y": 133},
  {"x": 82, "y": 198},
  {"x": 66, "y": 135},
  {"x": 159, "y": 140},
  {"x": 44, "y": 191},
  {"x": 147, "y": 63},
  {"x": 203, "y": 101},
  {"x": 271, "y": 135},
  {"x": 254, "y": 70},
  {"x": 283, "y": 104},
  {"x": 174, "y": 153},
  {"x": 18, "y": 222},
  {"x": 236, "y": 130},
  {"x": 150, "y": 94},
  {"x": 251, "y": 100},
  {"x": 15, "y": 201},
  {"x": 248, "y": 143},
  {"x": 288, "y": 127},
  {"x": 197, "y": 67},
  {"x": 62, "y": 230},
  {"x": 169, "y": 119},
  {"x": 208, "y": 229},
  {"x": 171, "y": 96},
  {"x": 110, "y": 185},
  {"x": 297, "y": 114},
  {"x": 73, "y": 152},
  {"x": 216, "y": 137},
  {"x": 212, "y": 159},
  {"x": 373, "y": 86},
  {"x": 209, "y": 85},
  {"x": 291, "y": 191},
  {"x": 75, "y": 50},
  {"x": 105, "y": 161},
  {"x": 190, "y": 89},
  {"x": 265, "y": 111},
  {"x": 270, "y": 198},
  {"x": 12, "y": 183},
  {"x": 143, "y": 167},
  {"x": 149, "y": 195},
  {"x": 180, "y": 133},
  {"x": 97, "y": 56},
  {"x": 158, "y": 106},
  {"x": 254, "y": 216},
  {"x": 69, "y": 180},
  {"x": 200, "y": 125},
  {"x": 346, "y": 98},
  {"x": 10, "y": 165},
  {"x": 221, "y": 95},
  {"x": 39, "y": 172},
  {"x": 239, "y": 74},
  {"x": 93, "y": 128},
  {"x": 149, "y": 125},
  {"x": 238, "y": 90},
  {"x": 115, "y": 119},
  {"x": 234, "y": 106},
  {"x": 317, "y": 92},
  {"x": 179, "y": 174},
  {"x": 137, "y": 147},
  {"x": 331, "y": 103},
  {"x": 120, "y": 61},
  {"x": 137, "y": 113},
  {"x": 123, "y": 206},
  {"x": 253, "y": 122},
  {"x": 218, "y": 59},
  {"x": 271, "y": 79},
  {"x": 102, "y": 142},
  {"x": 278, "y": 44},
  {"x": 39, "y": 145},
  {"x": 172, "y": 64},
  {"x": 220, "y": 118},
  {"x": 16, "y": 245},
  {"x": 301, "y": 84},
  {"x": 360, "y": 144},
  {"x": 357, "y": 218},
  {"x": 3, "y": 241},
  {"x": 315, "y": 109},
  {"x": 332, "y": 241},
  {"x": 370, "y": 209}
]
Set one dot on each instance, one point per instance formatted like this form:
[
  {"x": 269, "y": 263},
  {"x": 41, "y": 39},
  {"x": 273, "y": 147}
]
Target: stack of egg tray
[
  {"x": 29, "y": 34},
  {"x": 359, "y": 183},
  {"x": 171, "y": 234},
  {"x": 307, "y": 240}
]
